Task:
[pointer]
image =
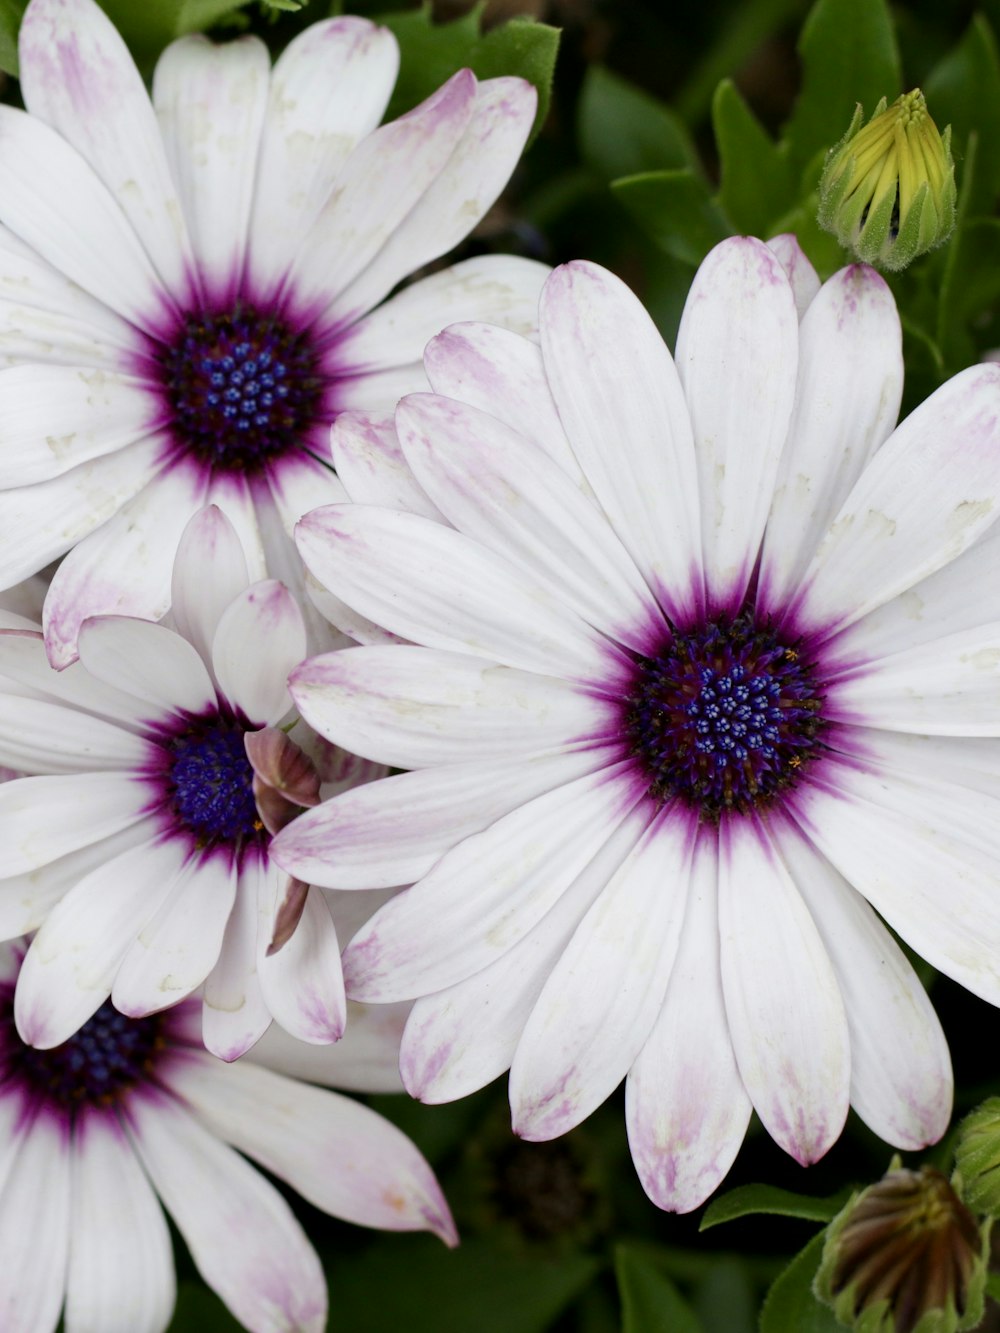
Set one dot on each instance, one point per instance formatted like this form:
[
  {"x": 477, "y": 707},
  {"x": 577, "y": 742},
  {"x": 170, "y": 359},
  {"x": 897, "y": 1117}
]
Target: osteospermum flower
[
  {"x": 185, "y": 285},
  {"x": 702, "y": 668},
  {"x": 127, "y": 1109},
  {"x": 158, "y": 769}
]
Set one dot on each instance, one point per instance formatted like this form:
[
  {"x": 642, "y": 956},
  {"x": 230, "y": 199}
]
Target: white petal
[
  {"x": 338, "y": 1154},
  {"x": 455, "y": 201},
  {"x": 72, "y": 961},
  {"x": 901, "y": 1081},
  {"x": 501, "y": 373},
  {"x": 462, "y": 1038},
  {"x": 846, "y": 403},
  {"x": 242, "y": 1235},
  {"x": 969, "y": 762},
  {"x": 53, "y": 200},
  {"x": 783, "y": 1003},
  {"x": 501, "y": 289},
  {"x": 504, "y": 492},
  {"x": 303, "y": 983},
  {"x": 459, "y": 596},
  {"x": 370, "y": 463},
  {"x": 46, "y": 817},
  {"x": 300, "y": 483},
  {"x": 41, "y": 737},
  {"x": 949, "y": 686},
  {"x": 417, "y": 707},
  {"x": 180, "y": 943},
  {"x": 77, "y": 76},
  {"x": 798, "y": 269},
  {"x": 378, "y": 391},
  {"x": 234, "y": 1013},
  {"x": 149, "y": 661},
  {"x": 23, "y": 662},
  {"x": 391, "y": 832},
  {"x": 34, "y": 1229},
  {"x": 50, "y": 337},
  {"x": 927, "y": 495},
  {"x": 260, "y": 637},
  {"x": 599, "y": 1004},
  {"x": 366, "y": 1059},
  {"x": 329, "y": 89},
  {"x": 685, "y": 1105},
  {"x": 613, "y": 380},
  {"x": 488, "y": 892},
  {"x": 121, "y": 1263},
  {"x": 40, "y": 523},
  {"x": 237, "y": 497},
  {"x": 381, "y": 180},
  {"x": 924, "y": 852},
  {"x": 125, "y": 567},
  {"x": 210, "y": 101},
  {"x": 737, "y": 349},
  {"x": 210, "y": 570},
  {"x": 53, "y": 418}
]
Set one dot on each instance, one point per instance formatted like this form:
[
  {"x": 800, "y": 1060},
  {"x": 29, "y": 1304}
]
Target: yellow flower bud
[{"x": 888, "y": 188}]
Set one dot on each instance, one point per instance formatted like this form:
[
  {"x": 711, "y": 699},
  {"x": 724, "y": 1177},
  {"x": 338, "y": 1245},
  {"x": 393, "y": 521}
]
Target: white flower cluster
[{"x": 691, "y": 662}]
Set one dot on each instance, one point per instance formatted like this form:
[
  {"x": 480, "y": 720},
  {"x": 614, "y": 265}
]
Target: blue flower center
[
  {"x": 244, "y": 388},
  {"x": 210, "y": 782},
  {"x": 724, "y": 718},
  {"x": 109, "y": 1055}
]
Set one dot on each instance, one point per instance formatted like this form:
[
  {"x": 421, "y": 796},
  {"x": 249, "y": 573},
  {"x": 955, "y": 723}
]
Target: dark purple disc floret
[
  {"x": 725, "y": 717},
  {"x": 243, "y": 387}
]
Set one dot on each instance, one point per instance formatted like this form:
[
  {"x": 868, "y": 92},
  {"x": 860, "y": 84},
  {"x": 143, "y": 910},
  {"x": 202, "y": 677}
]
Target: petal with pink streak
[
  {"x": 260, "y": 638},
  {"x": 234, "y": 1014},
  {"x": 243, "y": 1237},
  {"x": 77, "y": 76},
  {"x": 125, "y": 567},
  {"x": 783, "y": 1003},
  {"x": 303, "y": 983},
  {"x": 801, "y": 274},
  {"x": 210, "y": 570},
  {"x": 685, "y": 1105},
  {"x": 370, "y": 463}
]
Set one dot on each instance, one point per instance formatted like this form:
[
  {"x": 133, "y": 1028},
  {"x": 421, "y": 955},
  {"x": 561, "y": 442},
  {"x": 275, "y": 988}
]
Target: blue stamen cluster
[
  {"x": 109, "y": 1055},
  {"x": 243, "y": 388},
  {"x": 724, "y": 717},
  {"x": 210, "y": 783}
]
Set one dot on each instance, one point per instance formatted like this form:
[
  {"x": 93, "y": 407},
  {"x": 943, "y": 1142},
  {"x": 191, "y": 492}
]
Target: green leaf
[
  {"x": 199, "y": 1309},
  {"x": 414, "y": 1283},
  {"x": 430, "y": 53},
  {"x": 790, "y": 1304},
  {"x": 963, "y": 91},
  {"x": 650, "y": 1301},
  {"x": 757, "y": 184},
  {"x": 11, "y": 14},
  {"x": 623, "y": 131},
  {"x": 849, "y": 55},
  {"x": 675, "y": 209},
  {"x": 752, "y": 1199}
]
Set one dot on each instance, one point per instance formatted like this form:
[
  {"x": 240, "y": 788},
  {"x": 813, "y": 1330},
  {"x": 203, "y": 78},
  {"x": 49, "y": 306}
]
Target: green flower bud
[
  {"x": 977, "y": 1157},
  {"x": 888, "y": 188},
  {"x": 905, "y": 1256}
]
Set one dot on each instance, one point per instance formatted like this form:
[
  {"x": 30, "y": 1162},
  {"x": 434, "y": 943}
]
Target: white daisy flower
[
  {"x": 93, "y": 1130},
  {"x": 704, "y": 670},
  {"x": 159, "y": 766},
  {"x": 185, "y": 285}
]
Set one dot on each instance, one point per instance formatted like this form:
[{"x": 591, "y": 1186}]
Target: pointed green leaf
[
  {"x": 623, "y": 131},
  {"x": 11, "y": 14},
  {"x": 650, "y": 1301},
  {"x": 676, "y": 210},
  {"x": 963, "y": 91},
  {"x": 757, "y": 182},
  {"x": 523, "y": 47},
  {"x": 750, "y": 1199},
  {"x": 849, "y": 55},
  {"x": 790, "y": 1304}
]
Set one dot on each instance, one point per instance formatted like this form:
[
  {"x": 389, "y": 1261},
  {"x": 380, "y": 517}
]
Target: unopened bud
[
  {"x": 888, "y": 188},
  {"x": 905, "y": 1256},
  {"x": 977, "y": 1157}
]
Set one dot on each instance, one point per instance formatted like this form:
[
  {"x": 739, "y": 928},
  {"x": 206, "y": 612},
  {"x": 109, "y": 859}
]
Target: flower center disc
[
  {"x": 725, "y": 717},
  {"x": 210, "y": 783},
  {"x": 243, "y": 388},
  {"x": 110, "y": 1054}
]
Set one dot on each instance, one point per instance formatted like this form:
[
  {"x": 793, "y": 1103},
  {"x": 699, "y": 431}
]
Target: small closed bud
[
  {"x": 905, "y": 1256},
  {"x": 888, "y": 188},
  {"x": 977, "y": 1157}
]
